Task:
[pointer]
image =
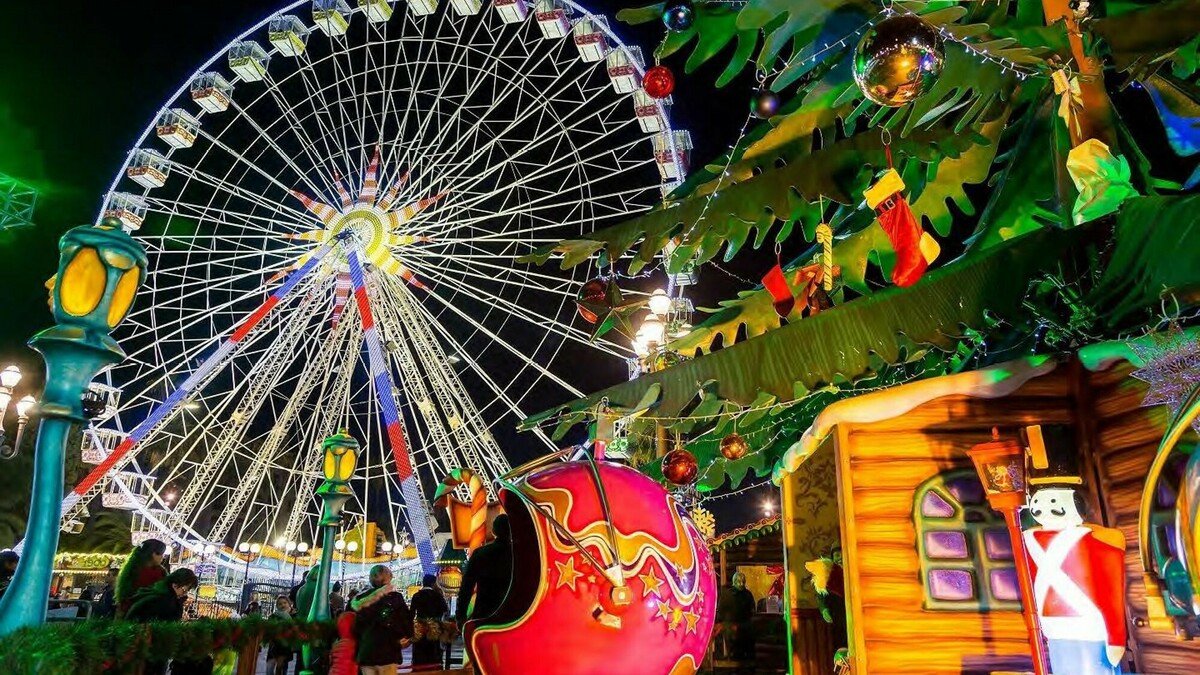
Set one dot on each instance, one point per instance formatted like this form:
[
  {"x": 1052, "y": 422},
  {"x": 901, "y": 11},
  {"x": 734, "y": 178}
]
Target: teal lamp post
[
  {"x": 341, "y": 456},
  {"x": 100, "y": 270}
]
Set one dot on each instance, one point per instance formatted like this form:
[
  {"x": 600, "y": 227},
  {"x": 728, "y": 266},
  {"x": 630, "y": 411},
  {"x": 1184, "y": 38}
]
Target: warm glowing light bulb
[{"x": 660, "y": 302}]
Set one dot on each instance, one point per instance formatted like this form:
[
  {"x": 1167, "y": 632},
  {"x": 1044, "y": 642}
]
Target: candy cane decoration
[
  {"x": 825, "y": 239},
  {"x": 478, "y": 503}
]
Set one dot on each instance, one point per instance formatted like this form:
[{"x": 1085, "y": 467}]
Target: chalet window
[{"x": 966, "y": 556}]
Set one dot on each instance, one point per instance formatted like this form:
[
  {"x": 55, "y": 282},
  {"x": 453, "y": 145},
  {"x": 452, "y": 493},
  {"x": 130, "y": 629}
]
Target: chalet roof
[{"x": 995, "y": 381}]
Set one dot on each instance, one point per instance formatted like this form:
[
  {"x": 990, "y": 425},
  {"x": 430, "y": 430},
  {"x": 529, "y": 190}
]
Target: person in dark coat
[
  {"x": 8, "y": 567},
  {"x": 735, "y": 612},
  {"x": 280, "y": 654},
  {"x": 487, "y": 575},
  {"x": 106, "y": 606},
  {"x": 429, "y": 609},
  {"x": 162, "y": 601},
  {"x": 292, "y": 594},
  {"x": 383, "y": 626}
]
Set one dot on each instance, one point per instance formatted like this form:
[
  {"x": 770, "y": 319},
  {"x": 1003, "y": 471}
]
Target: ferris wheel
[{"x": 334, "y": 207}]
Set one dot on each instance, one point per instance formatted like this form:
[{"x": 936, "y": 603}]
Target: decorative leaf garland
[{"x": 95, "y": 646}]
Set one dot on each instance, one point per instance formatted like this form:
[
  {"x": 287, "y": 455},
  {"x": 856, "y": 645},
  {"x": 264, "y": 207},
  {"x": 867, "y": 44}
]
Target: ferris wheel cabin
[
  {"x": 624, "y": 69},
  {"x": 98, "y": 444},
  {"x": 649, "y": 115},
  {"x": 553, "y": 18},
  {"x": 148, "y": 168},
  {"x": 512, "y": 11},
  {"x": 212, "y": 92},
  {"x": 466, "y": 7},
  {"x": 377, "y": 11},
  {"x": 423, "y": 7},
  {"x": 331, "y": 16},
  {"x": 590, "y": 39},
  {"x": 289, "y": 34},
  {"x": 177, "y": 128},
  {"x": 129, "y": 209},
  {"x": 141, "y": 529},
  {"x": 249, "y": 61},
  {"x": 141, "y": 486},
  {"x": 671, "y": 152}
]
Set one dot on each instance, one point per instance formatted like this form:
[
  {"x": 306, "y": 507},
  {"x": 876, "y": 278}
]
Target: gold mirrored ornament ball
[
  {"x": 898, "y": 60},
  {"x": 680, "y": 467},
  {"x": 734, "y": 446}
]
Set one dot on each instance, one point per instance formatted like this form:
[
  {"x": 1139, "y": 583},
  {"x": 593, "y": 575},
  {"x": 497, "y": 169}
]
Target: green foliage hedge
[{"x": 113, "y": 647}]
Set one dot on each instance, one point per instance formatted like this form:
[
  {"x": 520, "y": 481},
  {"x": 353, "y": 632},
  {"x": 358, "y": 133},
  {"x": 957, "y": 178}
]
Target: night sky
[{"x": 81, "y": 80}]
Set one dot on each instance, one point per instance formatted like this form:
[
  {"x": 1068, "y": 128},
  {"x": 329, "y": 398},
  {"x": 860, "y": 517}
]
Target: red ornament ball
[
  {"x": 592, "y": 291},
  {"x": 658, "y": 82},
  {"x": 733, "y": 446},
  {"x": 679, "y": 467}
]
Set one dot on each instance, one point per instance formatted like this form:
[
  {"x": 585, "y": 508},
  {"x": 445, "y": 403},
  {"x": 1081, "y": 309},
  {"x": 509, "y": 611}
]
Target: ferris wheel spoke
[
  {"x": 562, "y": 286},
  {"x": 209, "y": 214},
  {"x": 498, "y": 301},
  {"x": 512, "y": 350},
  {"x": 457, "y": 347},
  {"x": 322, "y": 111},
  {"x": 293, "y": 216},
  {"x": 541, "y": 203},
  {"x": 272, "y": 179},
  {"x": 306, "y": 143},
  {"x": 556, "y": 166}
]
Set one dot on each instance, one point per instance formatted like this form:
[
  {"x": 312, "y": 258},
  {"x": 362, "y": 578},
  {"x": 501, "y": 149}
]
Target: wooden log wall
[
  {"x": 1126, "y": 437},
  {"x": 880, "y": 466}
]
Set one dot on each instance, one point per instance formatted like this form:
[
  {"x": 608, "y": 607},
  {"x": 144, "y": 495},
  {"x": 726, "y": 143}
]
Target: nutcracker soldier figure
[{"x": 1078, "y": 581}]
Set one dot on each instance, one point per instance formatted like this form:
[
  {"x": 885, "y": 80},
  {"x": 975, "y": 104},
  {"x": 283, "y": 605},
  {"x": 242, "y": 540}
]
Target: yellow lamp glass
[
  {"x": 83, "y": 283},
  {"x": 123, "y": 297},
  {"x": 340, "y": 463}
]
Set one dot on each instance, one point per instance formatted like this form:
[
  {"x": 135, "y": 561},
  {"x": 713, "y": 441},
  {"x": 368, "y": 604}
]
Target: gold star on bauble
[
  {"x": 613, "y": 311},
  {"x": 650, "y": 583},
  {"x": 692, "y": 619},
  {"x": 567, "y": 574},
  {"x": 665, "y": 610}
]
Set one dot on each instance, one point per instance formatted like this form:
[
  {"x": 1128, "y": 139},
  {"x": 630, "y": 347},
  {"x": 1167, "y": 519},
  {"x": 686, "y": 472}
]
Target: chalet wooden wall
[
  {"x": 880, "y": 466},
  {"x": 1125, "y": 436}
]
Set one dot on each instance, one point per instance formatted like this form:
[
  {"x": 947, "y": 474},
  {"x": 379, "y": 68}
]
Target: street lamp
[
  {"x": 290, "y": 548},
  {"x": 341, "y": 457},
  {"x": 351, "y": 547},
  {"x": 249, "y": 552},
  {"x": 9, "y": 378},
  {"x": 1001, "y": 468},
  {"x": 100, "y": 270},
  {"x": 205, "y": 551}
]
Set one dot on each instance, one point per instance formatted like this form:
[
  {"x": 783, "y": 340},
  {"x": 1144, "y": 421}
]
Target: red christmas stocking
[
  {"x": 777, "y": 286},
  {"x": 900, "y": 226}
]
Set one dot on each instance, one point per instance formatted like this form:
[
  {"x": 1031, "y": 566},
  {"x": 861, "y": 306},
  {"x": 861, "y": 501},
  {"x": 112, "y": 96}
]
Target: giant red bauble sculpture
[
  {"x": 563, "y": 614},
  {"x": 593, "y": 292}
]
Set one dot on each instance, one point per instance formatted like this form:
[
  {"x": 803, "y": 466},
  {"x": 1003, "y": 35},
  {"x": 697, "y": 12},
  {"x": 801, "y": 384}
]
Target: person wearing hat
[
  {"x": 1078, "y": 580},
  {"x": 8, "y": 567}
]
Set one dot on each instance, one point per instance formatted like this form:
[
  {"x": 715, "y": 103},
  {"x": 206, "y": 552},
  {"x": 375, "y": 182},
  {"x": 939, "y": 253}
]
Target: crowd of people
[{"x": 375, "y": 625}]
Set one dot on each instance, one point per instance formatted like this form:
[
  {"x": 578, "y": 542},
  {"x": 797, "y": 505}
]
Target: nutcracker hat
[{"x": 1050, "y": 451}]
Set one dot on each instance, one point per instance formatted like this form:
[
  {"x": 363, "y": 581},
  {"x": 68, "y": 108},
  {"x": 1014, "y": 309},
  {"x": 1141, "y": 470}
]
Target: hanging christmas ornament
[
  {"x": 679, "y": 467},
  {"x": 898, "y": 60},
  {"x": 777, "y": 285},
  {"x": 678, "y": 15},
  {"x": 704, "y": 521},
  {"x": 734, "y": 447},
  {"x": 1170, "y": 365},
  {"x": 590, "y": 294},
  {"x": 914, "y": 248},
  {"x": 764, "y": 104},
  {"x": 658, "y": 82},
  {"x": 611, "y": 310}
]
